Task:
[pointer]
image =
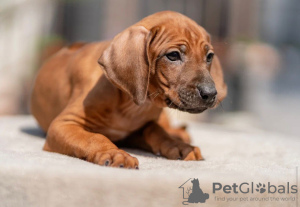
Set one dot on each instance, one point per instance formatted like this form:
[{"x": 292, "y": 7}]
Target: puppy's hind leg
[{"x": 152, "y": 137}]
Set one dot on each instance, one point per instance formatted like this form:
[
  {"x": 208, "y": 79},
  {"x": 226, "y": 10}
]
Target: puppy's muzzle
[{"x": 195, "y": 98}]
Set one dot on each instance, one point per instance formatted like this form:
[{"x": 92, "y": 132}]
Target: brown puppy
[{"x": 88, "y": 96}]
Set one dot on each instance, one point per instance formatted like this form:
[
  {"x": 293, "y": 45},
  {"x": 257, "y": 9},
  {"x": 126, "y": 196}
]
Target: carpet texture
[{"x": 32, "y": 177}]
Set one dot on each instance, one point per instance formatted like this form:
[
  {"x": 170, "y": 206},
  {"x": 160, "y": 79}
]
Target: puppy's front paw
[
  {"x": 116, "y": 158},
  {"x": 179, "y": 150}
]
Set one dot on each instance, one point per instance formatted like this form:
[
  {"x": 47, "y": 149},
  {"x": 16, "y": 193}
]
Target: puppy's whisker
[
  {"x": 221, "y": 106},
  {"x": 153, "y": 93},
  {"x": 156, "y": 96},
  {"x": 180, "y": 105},
  {"x": 219, "y": 103}
]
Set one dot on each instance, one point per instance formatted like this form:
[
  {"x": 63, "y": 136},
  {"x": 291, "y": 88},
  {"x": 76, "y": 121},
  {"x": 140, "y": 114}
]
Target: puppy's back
[{"x": 59, "y": 75}]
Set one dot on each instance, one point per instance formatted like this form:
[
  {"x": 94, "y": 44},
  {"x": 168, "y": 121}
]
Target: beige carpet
[{"x": 31, "y": 177}]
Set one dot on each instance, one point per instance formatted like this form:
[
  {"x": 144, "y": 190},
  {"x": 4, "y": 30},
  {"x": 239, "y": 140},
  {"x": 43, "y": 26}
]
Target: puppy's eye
[
  {"x": 209, "y": 57},
  {"x": 173, "y": 56}
]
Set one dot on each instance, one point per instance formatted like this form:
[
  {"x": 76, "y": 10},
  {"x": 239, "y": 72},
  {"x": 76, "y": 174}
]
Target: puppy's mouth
[{"x": 183, "y": 107}]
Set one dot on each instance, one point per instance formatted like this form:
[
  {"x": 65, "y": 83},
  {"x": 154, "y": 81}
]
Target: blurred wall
[{"x": 22, "y": 24}]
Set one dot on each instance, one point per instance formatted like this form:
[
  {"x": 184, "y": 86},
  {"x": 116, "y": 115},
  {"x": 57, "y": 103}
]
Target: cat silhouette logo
[{"x": 192, "y": 192}]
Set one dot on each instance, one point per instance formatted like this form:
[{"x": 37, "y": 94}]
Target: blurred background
[{"x": 258, "y": 42}]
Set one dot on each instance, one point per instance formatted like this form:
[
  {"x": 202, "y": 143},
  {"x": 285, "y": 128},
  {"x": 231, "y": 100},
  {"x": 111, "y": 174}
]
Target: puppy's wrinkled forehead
[
  {"x": 175, "y": 27},
  {"x": 171, "y": 29}
]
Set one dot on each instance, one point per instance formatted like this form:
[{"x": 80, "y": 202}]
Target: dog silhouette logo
[{"x": 192, "y": 192}]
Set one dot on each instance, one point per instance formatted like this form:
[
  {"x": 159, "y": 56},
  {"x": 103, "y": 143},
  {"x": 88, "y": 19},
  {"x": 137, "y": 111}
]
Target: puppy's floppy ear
[
  {"x": 218, "y": 77},
  {"x": 125, "y": 62}
]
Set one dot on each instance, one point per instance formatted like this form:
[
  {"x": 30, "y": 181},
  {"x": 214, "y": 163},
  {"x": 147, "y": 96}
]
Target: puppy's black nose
[{"x": 207, "y": 93}]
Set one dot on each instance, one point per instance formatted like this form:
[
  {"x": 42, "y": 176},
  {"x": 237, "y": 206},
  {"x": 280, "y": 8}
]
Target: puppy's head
[{"x": 168, "y": 59}]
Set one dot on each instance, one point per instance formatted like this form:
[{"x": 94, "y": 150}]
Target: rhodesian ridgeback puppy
[{"x": 88, "y": 97}]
